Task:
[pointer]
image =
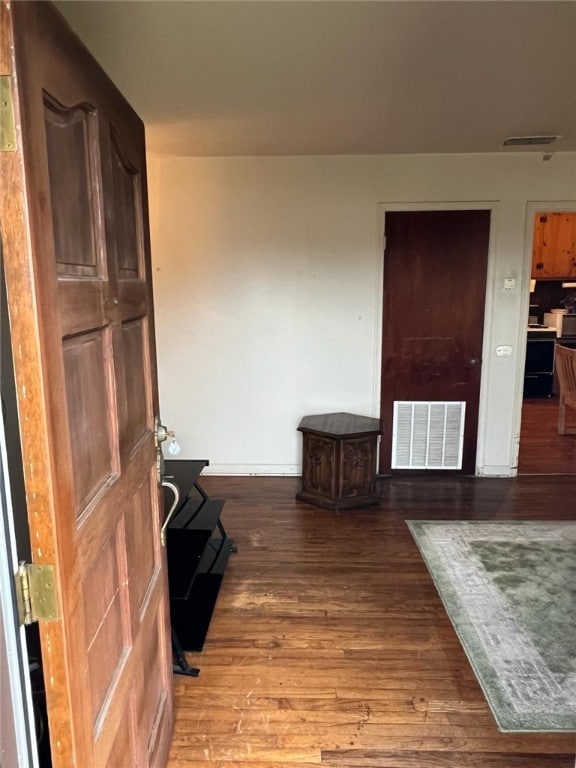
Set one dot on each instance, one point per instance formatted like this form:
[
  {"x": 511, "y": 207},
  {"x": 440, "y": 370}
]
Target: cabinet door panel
[{"x": 554, "y": 248}]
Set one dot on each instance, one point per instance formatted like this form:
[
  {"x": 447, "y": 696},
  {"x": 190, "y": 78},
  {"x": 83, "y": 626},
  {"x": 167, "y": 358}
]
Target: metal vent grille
[
  {"x": 427, "y": 435},
  {"x": 530, "y": 141}
]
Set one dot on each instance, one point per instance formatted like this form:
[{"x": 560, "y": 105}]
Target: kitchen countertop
[{"x": 541, "y": 329}]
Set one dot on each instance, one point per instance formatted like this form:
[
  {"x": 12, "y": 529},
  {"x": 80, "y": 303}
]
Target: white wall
[{"x": 267, "y": 275}]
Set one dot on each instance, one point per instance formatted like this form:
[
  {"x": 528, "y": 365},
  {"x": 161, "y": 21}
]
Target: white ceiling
[{"x": 278, "y": 77}]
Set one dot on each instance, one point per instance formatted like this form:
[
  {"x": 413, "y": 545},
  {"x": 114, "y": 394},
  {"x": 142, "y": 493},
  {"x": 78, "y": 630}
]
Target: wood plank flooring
[
  {"x": 329, "y": 645},
  {"x": 542, "y": 450}
]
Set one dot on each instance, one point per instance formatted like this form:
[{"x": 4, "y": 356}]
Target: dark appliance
[
  {"x": 568, "y": 326},
  {"x": 539, "y": 368}
]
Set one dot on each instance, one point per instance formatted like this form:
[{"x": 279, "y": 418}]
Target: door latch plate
[{"x": 7, "y": 123}]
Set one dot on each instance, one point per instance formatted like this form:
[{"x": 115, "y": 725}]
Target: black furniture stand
[
  {"x": 197, "y": 552},
  {"x": 180, "y": 665}
]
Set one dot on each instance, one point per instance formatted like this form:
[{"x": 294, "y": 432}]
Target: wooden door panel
[
  {"x": 94, "y": 527},
  {"x": 142, "y": 562},
  {"x": 70, "y": 141},
  {"x": 80, "y": 299},
  {"x": 134, "y": 343},
  {"x": 81, "y": 305},
  {"x": 100, "y": 589},
  {"x": 90, "y": 394},
  {"x": 133, "y": 299},
  {"x": 126, "y": 702},
  {"x": 126, "y": 185},
  {"x": 149, "y": 697},
  {"x": 151, "y": 704},
  {"x": 107, "y": 637},
  {"x": 124, "y": 741}
]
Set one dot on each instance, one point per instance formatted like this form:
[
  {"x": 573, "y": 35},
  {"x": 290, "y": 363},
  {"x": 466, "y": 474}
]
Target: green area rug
[{"x": 510, "y": 591}]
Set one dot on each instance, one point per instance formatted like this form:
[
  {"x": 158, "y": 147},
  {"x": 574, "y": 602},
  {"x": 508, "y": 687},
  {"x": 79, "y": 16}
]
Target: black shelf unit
[{"x": 198, "y": 549}]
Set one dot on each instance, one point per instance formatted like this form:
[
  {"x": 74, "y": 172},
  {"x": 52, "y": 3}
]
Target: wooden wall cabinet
[{"x": 554, "y": 250}]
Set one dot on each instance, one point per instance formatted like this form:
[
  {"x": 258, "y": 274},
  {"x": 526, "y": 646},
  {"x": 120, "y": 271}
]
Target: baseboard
[
  {"x": 271, "y": 470},
  {"x": 295, "y": 470},
  {"x": 496, "y": 471}
]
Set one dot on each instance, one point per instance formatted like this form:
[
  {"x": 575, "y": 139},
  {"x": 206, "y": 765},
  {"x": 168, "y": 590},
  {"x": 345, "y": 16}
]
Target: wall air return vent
[
  {"x": 530, "y": 141},
  {"x": 427, "y": 435}
]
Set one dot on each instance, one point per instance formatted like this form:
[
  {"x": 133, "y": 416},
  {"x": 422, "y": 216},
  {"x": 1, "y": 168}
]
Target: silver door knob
[
  {"x": 161, "y": 433},
  {"x": 474, "y": 362}
]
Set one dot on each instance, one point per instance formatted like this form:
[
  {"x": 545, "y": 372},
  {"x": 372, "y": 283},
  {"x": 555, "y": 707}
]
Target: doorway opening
[{"x": 552, "y": 246}]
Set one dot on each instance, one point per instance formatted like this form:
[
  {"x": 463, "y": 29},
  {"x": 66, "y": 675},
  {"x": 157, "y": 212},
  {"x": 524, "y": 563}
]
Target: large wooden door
[
  {"x": 73, "y": 218},
  {"x": 435, "y": 266}
]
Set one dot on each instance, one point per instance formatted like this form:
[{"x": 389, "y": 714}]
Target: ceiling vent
[{"x": 529, "y": 141}]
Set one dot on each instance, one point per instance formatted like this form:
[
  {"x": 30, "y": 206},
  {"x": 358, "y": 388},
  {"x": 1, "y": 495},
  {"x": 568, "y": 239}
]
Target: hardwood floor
[
  {"x": 329, "y": 645},
  {"x": 542, "y": 449}
]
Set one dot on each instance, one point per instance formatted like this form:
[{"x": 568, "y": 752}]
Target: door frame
[
  {"x": 532, "y": 207},
  {"x": 444, "y": 205},
  {"x": 12, "y": 636}
]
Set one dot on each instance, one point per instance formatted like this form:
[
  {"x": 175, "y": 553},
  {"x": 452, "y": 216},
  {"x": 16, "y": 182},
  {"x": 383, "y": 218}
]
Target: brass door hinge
[
  {"x": 36, "y": 593},
  {"x": 7, "y": 123}
]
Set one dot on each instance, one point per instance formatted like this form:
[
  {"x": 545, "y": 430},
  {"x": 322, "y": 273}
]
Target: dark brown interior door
[
  {"x": 435, "y": 266},
  {"x": 74, "y": 225}
]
